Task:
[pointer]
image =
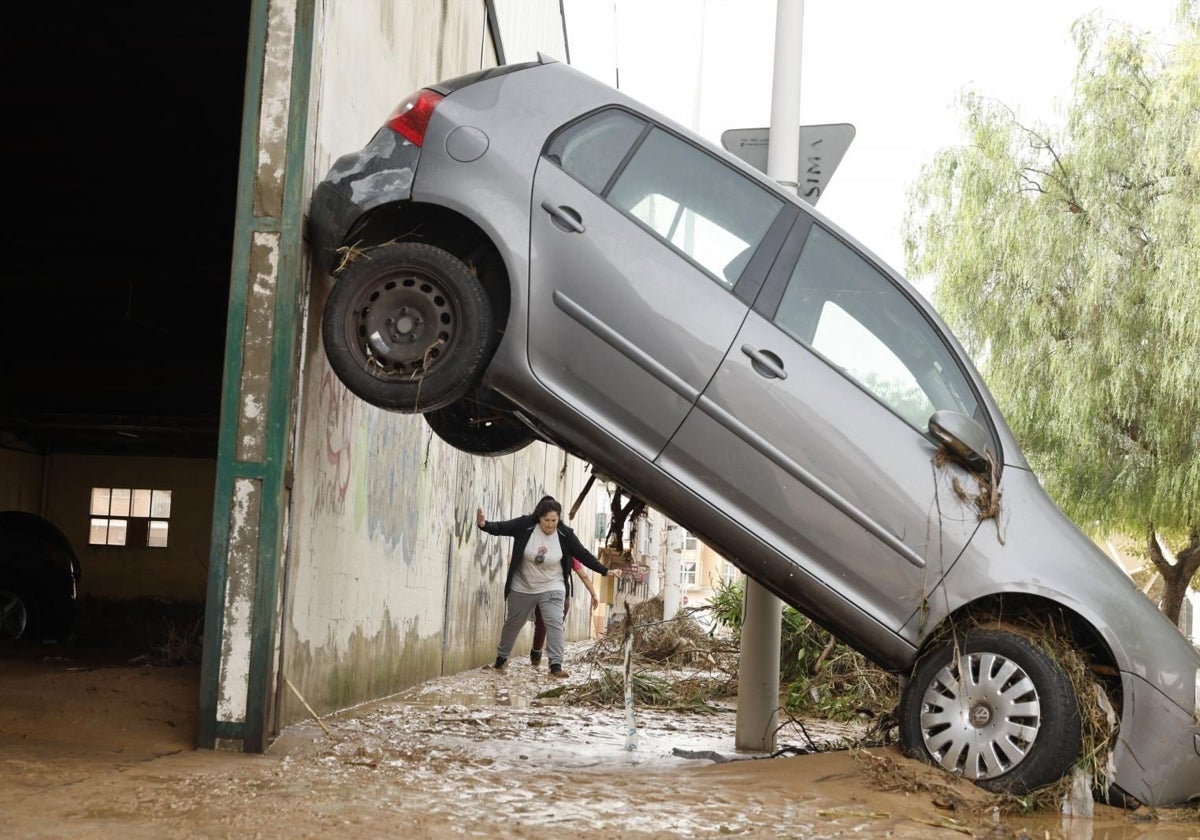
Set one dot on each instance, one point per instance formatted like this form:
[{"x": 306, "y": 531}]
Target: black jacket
[{"x": 521, "y": 528}]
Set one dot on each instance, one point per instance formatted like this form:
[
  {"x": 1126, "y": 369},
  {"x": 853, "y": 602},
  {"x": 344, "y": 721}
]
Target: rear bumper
[{"x": 380, "y": 173}]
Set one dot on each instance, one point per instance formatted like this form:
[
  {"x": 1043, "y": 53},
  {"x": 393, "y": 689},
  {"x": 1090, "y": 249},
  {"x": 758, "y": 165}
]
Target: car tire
[
  {"x": 482, "y": 423},
  {"x": 1012, "y": 726},
  {"x": 407, "y": 327},
  {"x": 18, "y": 612}
]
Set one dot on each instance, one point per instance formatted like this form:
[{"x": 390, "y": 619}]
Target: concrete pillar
[{"x": 758, "y": 670}]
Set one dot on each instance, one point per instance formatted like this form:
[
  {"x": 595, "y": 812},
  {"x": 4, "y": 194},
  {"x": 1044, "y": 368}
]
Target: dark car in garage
[{"x": 39, "y": 576}]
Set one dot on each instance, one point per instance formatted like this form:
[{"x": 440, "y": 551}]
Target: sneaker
[
  {"x": 535, "y": 658},
  {"x": 501, "y": 664},
  {"x": 557, "y": 672}
]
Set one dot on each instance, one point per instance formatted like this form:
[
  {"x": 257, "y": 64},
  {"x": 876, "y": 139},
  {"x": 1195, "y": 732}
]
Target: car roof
[{"x": 38, "y": 527}]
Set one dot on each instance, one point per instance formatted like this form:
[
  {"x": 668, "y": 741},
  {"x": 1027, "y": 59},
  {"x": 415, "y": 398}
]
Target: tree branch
[
  {"x": 1192, "y": 549},
  {"x": 1156, "y": 556}
]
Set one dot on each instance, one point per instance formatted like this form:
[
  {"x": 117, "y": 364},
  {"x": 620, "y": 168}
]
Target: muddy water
[
  {"x": 105, "y": 752},
  {"x": 482, "y": 753}
]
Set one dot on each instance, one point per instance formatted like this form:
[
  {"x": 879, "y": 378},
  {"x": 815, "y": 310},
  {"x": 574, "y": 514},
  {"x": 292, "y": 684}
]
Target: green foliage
[
  {"x": 1067, "y": 260},
  {"x": 819, "y": 676},
  {"x": 905, "y": 398},
  {"x": 726, "y": 606}
]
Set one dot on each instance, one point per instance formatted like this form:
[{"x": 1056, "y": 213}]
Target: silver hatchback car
[{"x": 525, "y": 253}]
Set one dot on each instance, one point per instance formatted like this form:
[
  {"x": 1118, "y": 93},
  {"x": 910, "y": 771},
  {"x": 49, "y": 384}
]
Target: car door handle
[
  {"x": 765, "y": 362},
  {"x": 564, "y": 218}
]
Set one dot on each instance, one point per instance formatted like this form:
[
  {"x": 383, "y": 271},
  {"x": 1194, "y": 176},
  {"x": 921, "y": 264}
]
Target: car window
[
  {"x": 842, "y": 307},
  {"x": 591, "y": 150},
  {"x": 709, "y": 212},
  {"x": 704, "y": 209}
]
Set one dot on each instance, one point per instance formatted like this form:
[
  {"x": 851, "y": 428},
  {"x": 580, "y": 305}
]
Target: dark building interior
[{"x": 121, "y": 138}]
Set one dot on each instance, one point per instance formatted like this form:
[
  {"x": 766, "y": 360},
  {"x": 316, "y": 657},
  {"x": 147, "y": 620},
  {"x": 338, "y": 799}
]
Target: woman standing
[{"x": 539, "y": 575}]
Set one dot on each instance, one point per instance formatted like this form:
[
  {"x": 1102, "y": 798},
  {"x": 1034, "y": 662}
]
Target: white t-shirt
[{"x": 541, "y": 566}]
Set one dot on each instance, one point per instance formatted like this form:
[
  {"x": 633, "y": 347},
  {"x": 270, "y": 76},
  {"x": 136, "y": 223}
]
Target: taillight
[{"x": 411, "y": 117}]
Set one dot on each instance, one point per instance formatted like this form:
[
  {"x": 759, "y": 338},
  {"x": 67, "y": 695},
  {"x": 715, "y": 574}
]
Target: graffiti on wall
[
  {"x": 531, "y": 491},
  {"x": 483, "y": 487},
  {"x": 437, "y": 486},
  {"x": 372, "y": 468},
  {"x": 388, "y": 478},
  {"x": 466, "y": 501},
  {"x": 387, "y": 498},
  {"x": 338, "y": 409}
]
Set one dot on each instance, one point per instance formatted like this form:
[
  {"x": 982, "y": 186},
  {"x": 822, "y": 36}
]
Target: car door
[
  {"x": 638, "y": 240},
  {"x": 813, "y": 433}
]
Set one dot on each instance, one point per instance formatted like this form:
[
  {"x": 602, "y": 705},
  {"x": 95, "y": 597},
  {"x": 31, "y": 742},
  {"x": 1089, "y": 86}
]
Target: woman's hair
[{"x": 545, "y": 505}]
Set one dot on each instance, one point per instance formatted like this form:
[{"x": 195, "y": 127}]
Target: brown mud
[{"x": 92, "y": 746}]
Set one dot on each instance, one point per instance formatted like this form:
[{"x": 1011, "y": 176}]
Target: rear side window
[
  {"x": 707, "y": 211},
  {"x": 590, "y": 151},
  {"x": 710, "y": 213},
  {"x": 841, "y": 306}
]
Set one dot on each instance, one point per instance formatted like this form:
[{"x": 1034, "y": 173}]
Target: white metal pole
[
  {"x": 783, "y": 143},
  {"x": 762, "y": 612},
  {"x": 673, "y": 583}
]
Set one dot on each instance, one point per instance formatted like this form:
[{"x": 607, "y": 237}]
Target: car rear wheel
[
  {"x": 17, "y": 612},
  {"x": 993, "y": 707},
  {"x": 481, "y": 423},
  {"x": 406, "y": 327}
]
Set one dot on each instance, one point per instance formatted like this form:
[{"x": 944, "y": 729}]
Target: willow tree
[{"x": 1067, "y": 258}]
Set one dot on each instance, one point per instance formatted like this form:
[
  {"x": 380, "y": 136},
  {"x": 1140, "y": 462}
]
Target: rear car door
[
  {"x": 638, "y": 241},
  {"x": 813, "y": 433}
]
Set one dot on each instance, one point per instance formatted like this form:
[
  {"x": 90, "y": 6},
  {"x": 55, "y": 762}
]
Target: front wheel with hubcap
[
  {"x": 993, "y": 707},
  {"x": 406, "y": 327}
]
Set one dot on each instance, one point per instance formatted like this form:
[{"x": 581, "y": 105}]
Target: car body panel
[
  {"x": 1033, "y": 549},
  {"x": 37, "y": 560},
  {"x": 1155, "y": 756},
  {"x": 494, "y": 191},
  {"x": 814, "y": 464},
  {"x": 625, "y": 348},
  {"x": 599, "y": 333},
  {"x": 380, "y": 173}
]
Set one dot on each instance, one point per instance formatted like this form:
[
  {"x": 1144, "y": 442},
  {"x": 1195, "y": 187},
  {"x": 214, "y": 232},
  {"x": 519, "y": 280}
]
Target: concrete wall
[
  {"x": 179, "y": 571},
  {"x": 388, "y": 580},
  {"x": 21, "y": 480}
]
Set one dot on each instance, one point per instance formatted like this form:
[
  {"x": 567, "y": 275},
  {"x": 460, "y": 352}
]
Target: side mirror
[{"x": 963, "y": 437}]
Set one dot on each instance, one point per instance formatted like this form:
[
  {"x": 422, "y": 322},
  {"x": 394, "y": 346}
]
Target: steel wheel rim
[
  {"x": 980, "y": 716},
  {"x": 401, "y": 325}
]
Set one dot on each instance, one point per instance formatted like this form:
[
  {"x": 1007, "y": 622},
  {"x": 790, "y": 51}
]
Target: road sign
[{"x": 821, "y": 150}]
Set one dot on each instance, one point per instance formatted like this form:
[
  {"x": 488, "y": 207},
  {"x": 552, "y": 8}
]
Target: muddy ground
[{"x": 93, "y": 745}]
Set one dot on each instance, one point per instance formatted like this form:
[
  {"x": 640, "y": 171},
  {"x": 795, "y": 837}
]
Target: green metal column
[{"x": 258, "y": 395}]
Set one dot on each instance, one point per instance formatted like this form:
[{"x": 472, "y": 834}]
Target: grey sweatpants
[{"x": 520, "y": 608}]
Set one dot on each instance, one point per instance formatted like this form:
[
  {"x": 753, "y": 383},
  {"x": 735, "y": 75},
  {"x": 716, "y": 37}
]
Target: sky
[{"x": 891, "y": 68}]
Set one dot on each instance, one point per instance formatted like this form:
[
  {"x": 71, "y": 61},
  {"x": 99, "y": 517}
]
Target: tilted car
[
  {"x": 525, "y": 253},
  {"x": 39, "y": 576}
]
